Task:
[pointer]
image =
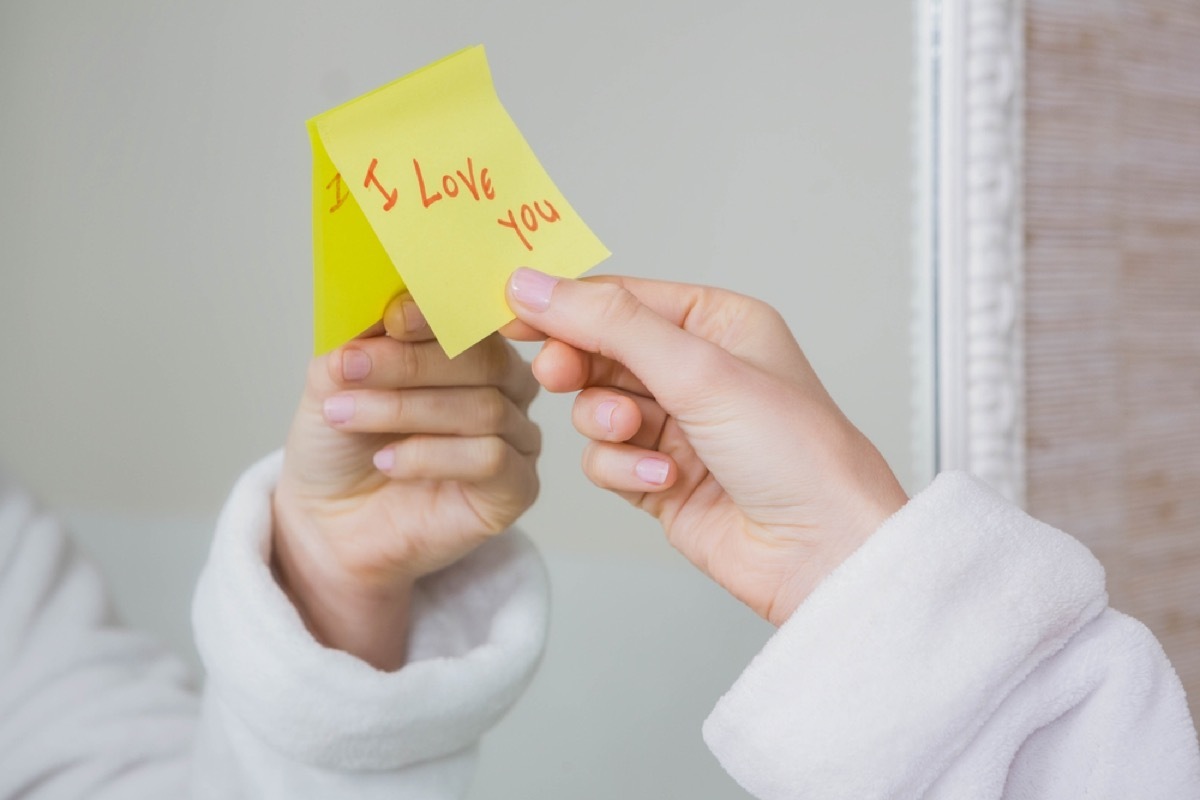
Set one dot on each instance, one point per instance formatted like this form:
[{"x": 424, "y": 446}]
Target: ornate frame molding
[{"x": 974, "y": 235}]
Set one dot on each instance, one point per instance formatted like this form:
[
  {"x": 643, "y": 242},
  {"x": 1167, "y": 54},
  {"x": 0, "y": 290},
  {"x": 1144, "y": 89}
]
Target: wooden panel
[{"x": 1113, "y": 299}]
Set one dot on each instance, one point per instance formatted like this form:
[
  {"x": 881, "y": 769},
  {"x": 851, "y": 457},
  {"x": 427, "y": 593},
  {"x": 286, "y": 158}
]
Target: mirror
[{"x": 155, "y": 311}]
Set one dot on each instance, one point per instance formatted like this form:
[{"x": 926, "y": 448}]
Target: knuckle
[
  {"x": 535, "y": 438},
  {"x": 619, "y": 304},
  {"x": 533, "y": 487},
  {"x": 496, "y": 525},
  {"x": 496, "y": 359},
  {"x": 397, "y": 408},
  {"x": 419, "y": 457},
  {"x": 492, "y": 408},
  {"x": 492, "y": 455},
  {"x": 411, "y": 360},
  {"x": 769, "y": 314},
  {"x": 526, "y": 384},
  {"x": 709, "y": 364},
  {"x": 590, "y": 462},
  {"x": 730, "y": 317},
  {"x": 526, "y": 387},
  {"x": 752, "y": 306},
  {"x": 530, "y": 385}
]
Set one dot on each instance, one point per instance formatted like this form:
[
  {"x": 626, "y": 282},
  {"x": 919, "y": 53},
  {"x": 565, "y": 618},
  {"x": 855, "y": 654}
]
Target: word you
[{"x": 457, "y": 186}]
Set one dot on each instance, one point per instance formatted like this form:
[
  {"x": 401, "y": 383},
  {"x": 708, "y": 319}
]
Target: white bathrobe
[
  {"x": 966, "y": 651},
  {"x": 92, "y": 711}
]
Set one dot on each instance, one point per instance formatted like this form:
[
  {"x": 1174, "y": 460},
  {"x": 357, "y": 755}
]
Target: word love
[
  {"x": 450, "y": 185},
  {"x": 460, "y": 185},
  {"x": 530, "y": 218}
]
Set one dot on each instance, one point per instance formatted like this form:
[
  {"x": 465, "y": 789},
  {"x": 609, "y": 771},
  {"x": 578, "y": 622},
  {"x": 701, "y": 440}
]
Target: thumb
[{"x": 608, "y": 320}]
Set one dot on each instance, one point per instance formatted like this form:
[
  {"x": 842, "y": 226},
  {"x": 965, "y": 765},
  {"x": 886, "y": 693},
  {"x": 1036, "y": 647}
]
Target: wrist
[
  {"x": 365, "y": 616},
  {"x": 868, "y": 498}
]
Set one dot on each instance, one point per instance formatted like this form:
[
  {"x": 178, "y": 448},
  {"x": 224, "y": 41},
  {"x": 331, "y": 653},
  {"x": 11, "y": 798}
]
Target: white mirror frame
[{"x": 971, "y": 233}]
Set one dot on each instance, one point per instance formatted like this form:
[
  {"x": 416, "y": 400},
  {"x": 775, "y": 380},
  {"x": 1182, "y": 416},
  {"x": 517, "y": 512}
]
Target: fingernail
[
  {"x": 356, "y": 365},
  {"x": 414, "y": 320},
  {"x": 604, "y": 414},
  {"x": 339, "y": 408},
  {"x": 384, "y": 460},
  {"x": 652, "y": 470},
  {"x": 531, "y": 288}
]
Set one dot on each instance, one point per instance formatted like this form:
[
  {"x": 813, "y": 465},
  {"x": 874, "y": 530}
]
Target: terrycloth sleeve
[
  {"x": 88, "y": 708},
  {"x": 285, "y": 717},
  {"x": 965, "y": 651}
]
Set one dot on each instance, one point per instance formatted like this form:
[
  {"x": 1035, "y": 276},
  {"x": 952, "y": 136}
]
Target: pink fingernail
[
  {"x": 414, "y": 320},
  {"x": 339, "y": 408},
  {"x": 604, "y": 414},
  {"x": 652, "y": 470},
  {"x": 531, "y": 288},
  {"x": 356, "y": 365},
  {"x": 384, "y": 460}
]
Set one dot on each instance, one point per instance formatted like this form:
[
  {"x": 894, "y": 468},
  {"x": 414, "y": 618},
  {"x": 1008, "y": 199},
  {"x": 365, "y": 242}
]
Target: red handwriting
[
  {"x": 450, "y": 186},
  {"x": 340, "y": 193},
  {"x": 531, "y": 217},
  {"x": 391, "y": 198},
  {"x": 522, "y": 221}
]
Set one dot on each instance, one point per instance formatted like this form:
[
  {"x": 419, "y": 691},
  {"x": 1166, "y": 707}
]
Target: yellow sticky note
[{"x": 427, "y": 183}]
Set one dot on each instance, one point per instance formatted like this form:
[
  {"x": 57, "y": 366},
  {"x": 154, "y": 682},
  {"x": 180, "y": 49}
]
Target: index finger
[
  {"x": 675, "y": 302},
  {"x": 562, "y": 368},
  {"x": 384, "y": 363},
  {"x": 520, "y": 331},
  {"x": 607, "y": 319},
  {"x": 751, "y": 330}
]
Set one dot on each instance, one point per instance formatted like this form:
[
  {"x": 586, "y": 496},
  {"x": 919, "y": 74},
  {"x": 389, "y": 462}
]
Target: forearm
[{"x": 367, "y": 619}]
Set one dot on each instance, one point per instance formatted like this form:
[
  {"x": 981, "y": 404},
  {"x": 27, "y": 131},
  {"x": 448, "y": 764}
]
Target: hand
[
  {"x": 399, "y": 462},
  {"x": 704, "y": 412}
]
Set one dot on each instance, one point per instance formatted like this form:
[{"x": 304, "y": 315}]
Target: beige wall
[{"x": 1113, "y": 283}]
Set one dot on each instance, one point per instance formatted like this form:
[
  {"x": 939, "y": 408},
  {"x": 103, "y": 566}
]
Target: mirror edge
[{"x": 974, "y": 235}]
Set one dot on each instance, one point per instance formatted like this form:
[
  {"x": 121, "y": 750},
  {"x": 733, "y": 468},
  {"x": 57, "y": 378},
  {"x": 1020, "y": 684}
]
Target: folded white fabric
[
  {"x": 965, "y": 651},
  {"x": 478, "y": 632},
  {"x": 88, "y": 708}
]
